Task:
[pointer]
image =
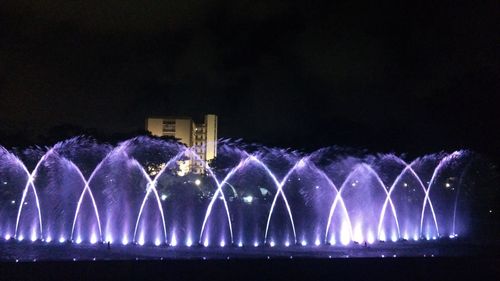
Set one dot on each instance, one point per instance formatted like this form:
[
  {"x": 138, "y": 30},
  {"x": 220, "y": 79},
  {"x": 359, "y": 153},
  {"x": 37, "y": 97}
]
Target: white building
[{"x": 201, "y": 136}]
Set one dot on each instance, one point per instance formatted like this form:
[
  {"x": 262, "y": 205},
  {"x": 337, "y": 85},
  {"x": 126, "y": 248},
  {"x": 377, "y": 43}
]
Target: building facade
[{"x": 201, "y": 137}]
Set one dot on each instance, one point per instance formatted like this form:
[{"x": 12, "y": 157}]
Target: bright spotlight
[
  {"x": 20, "y": 238},
  {"x": 62, "y": 239},
  {"x": 78, "y": 240},
  {"x": 48, "y": 239},
  {"x": 317, "y": 243},
  {"x": 240, "y": 244},
  {"x": 141, "y": 241},
  {"x": 174, "y": 241},
  {"x": 222, "y": 243},
  {"x": 197, "y": 182},
  {"x": 304, "y": 243},
  {"x": 93, "y": 239},
  {"x": 7, "y": 236},
  {"x": 109, "y": 239},
  {"x": 248, "y": 199},
  {"x": 272, "y": 243},
  {"x": 394, "y": 237},
  {"x": 189, "y": 242},
  {"x": 124, "y": 241},
  {"x": 287, "y": 244},
  {"x": 163, "y": 197},
  {"x": 370, "y": 238},
  {"x": 256, "y": 244},
  {"x": 157, "y": 242}
]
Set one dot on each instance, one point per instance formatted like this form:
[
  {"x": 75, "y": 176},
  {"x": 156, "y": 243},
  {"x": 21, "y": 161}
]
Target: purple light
[
  {"x": 93, "y": 239},
  {"x": 141, "y": 241}
]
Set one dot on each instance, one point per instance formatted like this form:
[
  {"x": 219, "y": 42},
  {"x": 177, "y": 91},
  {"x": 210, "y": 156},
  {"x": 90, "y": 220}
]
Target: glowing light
[
  {"x": 304, "y": 243},
  {"x": 109, "y": 239},
  {"x": 125, "y": 241},
  {"x": 205, "y": 243},
  {"x": 447, "y": 184},
  {"x": 256, "y": 244},
  {"x": 345, "y": 236},
  {"x": 48, "y": 239},
  {"x": 78, "y": 240},
  {"x": 248, "y": 199},
  {"x": 415, "y": 237},
  {"x": 14, "y": 202},
  {"x": 33, "y": 236},
  {"x": 434, "y": 237},
  {"x": 62, "y": 239},
  {"x": 358, "y": 236},
  {"x": 7, "y": 236},
  {"x": 197, "y": 182},
  {"x": 333, "y": 241},
  {"x": 163, "y": 197},
  {"x": 93, "y": 239},
  {"x": 272, "y": 244},
  {"x": 370, "y": 238},
  {"x": 189, "y": 242},
  {"x": 174, "y": 240},
  {"x": 20, "y": 238},
  {"x": 394, "y": 237},
  {"x": 317, "y": 243},
  {"x": 382, "y": 236},
  {"x": 141, "y": 241},
  {"x": 158, "y": 242},
  {"x": 287, "y": 244},
  {"x": 222, "y": 243},
  {"x": 240, "y": 244}
]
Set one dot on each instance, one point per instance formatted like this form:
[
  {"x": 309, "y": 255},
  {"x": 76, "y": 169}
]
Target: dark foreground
[
  {"x": 448, "y": 260},
  {"x": 278, "y": 269}
]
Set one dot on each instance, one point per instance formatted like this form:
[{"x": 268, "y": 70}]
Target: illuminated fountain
[{"x": 82, "y": 192}]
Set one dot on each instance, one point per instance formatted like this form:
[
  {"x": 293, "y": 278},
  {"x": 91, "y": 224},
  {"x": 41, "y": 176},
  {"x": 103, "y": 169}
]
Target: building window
[{"x": 168, "y": 126}]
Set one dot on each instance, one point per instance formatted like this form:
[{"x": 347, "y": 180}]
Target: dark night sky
[{"x": 403, "y": 76}]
